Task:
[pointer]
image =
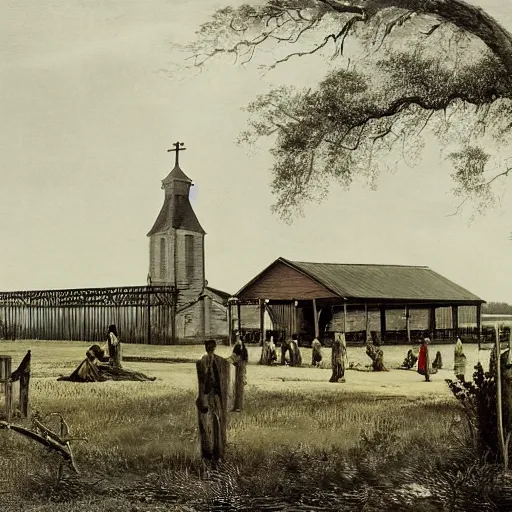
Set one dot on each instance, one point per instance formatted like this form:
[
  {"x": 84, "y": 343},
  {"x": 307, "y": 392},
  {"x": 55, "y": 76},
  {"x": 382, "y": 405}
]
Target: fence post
[
  {"x": 5, "y": 379},
  {"x": 149, "y": 313},
  {"x": 499, "y": 401},
  {"x": 24, "y": 394},
  {"x": 22, "y": 374}
]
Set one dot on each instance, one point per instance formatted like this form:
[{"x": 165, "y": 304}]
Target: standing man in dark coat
[{"x": 212, "y": 402}]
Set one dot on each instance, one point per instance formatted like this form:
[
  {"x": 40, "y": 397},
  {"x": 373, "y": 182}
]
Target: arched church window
[
  {"x": 189, "y": 256},
  {"x": 163, "y": 258}
]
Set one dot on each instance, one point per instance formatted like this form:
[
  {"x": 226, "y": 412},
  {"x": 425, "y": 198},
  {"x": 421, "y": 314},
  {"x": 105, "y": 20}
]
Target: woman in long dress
[
  {"x": 459, "y": 366},
  {"x": 114, "y": 347},
  {"x": 272, "y": 351},
  {"x": 239, "y": 359},
  {"x": 424, "y": 365},
  {"x": 295, "y": 355},
  {"x": 339, "y": 358}
]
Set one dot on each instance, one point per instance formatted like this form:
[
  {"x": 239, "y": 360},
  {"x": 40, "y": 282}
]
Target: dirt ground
[{"x": 405, "y": 383}]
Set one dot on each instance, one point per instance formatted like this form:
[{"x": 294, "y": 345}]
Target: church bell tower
[{"x": 176, "y": 240}]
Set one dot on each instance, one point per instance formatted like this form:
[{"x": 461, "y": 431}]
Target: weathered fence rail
[
  {"x": 21, "y": 376},
  {"x": 142, "y": 314}
]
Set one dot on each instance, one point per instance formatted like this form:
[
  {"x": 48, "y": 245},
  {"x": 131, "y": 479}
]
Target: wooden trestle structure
[{"x": 142, "y": 314}]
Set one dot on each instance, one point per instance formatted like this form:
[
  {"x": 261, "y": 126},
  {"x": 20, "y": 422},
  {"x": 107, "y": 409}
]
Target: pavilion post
[
  {"x": 230, "y": 322},
  {"x": 383, "y": 327},
  {"x": 345, "y": 318},
  {"x": 239, "y": 315},
  {"x": 294, "y": 305},
  {"x": 432, "y": 322},
  {"x": 262, "y": 321},
  {"x": 408, "y": 322},
  {"x": 479, "y": 322},
  {"x": 366, "y": 323},
  {"x": 455, "y": 321},
  {"x": 315, "y": 316}
]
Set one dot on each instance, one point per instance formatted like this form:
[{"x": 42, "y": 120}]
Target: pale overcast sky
[{"x": 87, "y": 114}]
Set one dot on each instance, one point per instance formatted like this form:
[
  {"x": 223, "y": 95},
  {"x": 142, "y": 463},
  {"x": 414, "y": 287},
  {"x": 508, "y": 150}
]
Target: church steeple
[
  {"x": 177, "y": 182},
  {"x": 176, "y": 249},
  {"x": 176, "y": 212}
]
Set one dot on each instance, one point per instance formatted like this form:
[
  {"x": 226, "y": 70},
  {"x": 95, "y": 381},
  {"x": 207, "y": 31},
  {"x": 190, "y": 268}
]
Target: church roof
[
  {"x": 176, "y": 175},
  {"x": 220, "y": 293},
  {"x": 176, "y": 213}
]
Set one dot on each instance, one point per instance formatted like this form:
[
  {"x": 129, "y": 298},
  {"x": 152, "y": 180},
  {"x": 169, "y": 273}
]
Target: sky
[{"x": 89, "y": 104}]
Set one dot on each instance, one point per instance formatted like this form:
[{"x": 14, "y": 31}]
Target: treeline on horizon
[{"x": 497, "y": 308}]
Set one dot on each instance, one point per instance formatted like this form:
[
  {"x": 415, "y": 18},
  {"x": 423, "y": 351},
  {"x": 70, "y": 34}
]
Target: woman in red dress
[{"x": 424, "y": 360}]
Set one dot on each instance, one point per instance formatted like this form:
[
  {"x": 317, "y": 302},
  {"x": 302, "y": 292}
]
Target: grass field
[{"x": 385, "y": 441}]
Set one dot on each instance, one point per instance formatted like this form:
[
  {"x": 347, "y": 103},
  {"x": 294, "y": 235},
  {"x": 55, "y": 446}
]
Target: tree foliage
[
  {"x": 497, "y": 308},
  {"x": 437, "y": 66}
]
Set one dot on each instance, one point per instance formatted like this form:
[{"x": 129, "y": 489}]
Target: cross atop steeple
[{"x": 178, "y": 146}]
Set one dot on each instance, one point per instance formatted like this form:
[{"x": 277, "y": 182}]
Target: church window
[
  {"x": 163, "y": 259},
  {"x": 189, "y": 256},
  {"x": 152, "y": 263}
]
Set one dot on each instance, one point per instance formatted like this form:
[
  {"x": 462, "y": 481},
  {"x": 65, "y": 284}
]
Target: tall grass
[{"x": 300, "y": 448}]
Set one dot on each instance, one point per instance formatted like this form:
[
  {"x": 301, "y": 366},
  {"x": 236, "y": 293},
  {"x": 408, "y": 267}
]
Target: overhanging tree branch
[{"x": 335, "y": 131}]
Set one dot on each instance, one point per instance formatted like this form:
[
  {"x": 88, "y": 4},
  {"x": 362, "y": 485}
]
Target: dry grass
[{"x": 299, "y": 436}]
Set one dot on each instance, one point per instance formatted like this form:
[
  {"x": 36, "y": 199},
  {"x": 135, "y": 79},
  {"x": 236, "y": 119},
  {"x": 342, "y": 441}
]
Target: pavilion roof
[{"x": 360, "y": 281}]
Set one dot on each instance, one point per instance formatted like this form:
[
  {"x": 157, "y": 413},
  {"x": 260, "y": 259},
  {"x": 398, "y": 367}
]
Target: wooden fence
[{"x": 142, "y": 314}]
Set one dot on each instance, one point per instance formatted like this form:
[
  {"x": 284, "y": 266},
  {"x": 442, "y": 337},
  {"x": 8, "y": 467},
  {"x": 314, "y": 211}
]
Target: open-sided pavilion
[{"x": 399, "y": 302}]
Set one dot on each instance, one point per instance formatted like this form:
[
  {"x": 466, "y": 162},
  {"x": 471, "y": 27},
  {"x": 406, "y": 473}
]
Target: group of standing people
[{"x": 290, "y": 352}]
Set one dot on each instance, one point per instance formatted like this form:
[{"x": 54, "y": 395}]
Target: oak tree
[{"x": 440, "y": 67}]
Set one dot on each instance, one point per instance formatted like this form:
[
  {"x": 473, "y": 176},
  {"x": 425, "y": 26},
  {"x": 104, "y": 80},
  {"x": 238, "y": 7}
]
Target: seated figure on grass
[
  {"x": 268, "y": 352},
  {"x": 438, "y": 361},
  {"x": 100, "y": 365},
  {"x": 316, "y": 352},
  {"x": 410, "y": 360},
  {"x": 291, "y": 349},
  {"x": 375, "y": 353},
  {"x": 272, "y": 350}
]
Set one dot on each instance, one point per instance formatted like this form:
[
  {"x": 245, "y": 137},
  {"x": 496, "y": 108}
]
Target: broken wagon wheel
[
  {"x": 63, "y": 439},
  {"x": 46, "y": 440}
]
